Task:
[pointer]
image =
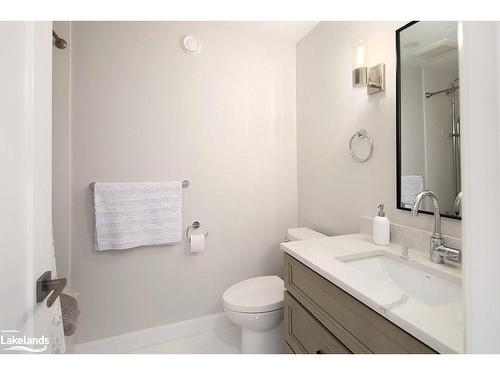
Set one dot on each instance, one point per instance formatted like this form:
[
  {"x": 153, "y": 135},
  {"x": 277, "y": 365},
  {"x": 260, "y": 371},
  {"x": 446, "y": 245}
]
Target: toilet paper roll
[{"x": 197, "y": 243}]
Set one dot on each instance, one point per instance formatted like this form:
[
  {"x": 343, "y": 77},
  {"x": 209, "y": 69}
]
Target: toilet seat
[{"x": 259, "y": 294}]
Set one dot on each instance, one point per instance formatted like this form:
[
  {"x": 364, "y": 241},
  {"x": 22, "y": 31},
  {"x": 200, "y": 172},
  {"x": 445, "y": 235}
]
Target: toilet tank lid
[{"x": 303, "y": 233}]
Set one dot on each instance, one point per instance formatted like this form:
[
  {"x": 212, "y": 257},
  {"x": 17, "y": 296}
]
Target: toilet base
[
  {"x": 256, "y": 305},
  {"x": 263, "y": 342}
]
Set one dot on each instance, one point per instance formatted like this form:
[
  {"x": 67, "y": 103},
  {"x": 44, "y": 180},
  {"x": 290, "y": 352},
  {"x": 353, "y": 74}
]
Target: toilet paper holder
[{"x": 194, "y": 225}]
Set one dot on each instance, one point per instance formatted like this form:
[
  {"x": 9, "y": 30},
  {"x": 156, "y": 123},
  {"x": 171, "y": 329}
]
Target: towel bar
[{"x": 185, "y": 184}]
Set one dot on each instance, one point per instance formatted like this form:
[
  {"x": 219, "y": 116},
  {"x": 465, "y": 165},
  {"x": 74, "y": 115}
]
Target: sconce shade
[
  {"x": 359, "y": 51},
  {"x": 359, "y": 59}
]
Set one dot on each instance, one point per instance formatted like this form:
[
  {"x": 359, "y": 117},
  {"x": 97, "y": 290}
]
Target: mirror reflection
[{"x": 429, "y": 115}]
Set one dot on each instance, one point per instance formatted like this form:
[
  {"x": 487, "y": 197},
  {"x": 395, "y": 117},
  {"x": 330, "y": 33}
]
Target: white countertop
[{"x": 440, "y": 327}]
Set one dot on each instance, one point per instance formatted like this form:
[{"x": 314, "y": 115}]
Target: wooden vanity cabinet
[{"x": 320, "y": 318}]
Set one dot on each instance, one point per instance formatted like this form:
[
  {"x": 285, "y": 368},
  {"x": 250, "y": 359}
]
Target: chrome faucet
[{"x": 438, "y": 251}]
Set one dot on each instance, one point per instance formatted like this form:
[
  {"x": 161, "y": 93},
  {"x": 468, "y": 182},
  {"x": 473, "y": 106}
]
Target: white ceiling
[
  {"x": 289, "y": 31},
  {"x": 424, "y": 34}
]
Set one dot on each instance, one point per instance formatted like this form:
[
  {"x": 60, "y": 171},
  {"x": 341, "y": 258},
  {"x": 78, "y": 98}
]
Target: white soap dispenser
[{"x": 381, "y": 228}]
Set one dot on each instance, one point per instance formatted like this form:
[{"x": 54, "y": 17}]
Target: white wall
[
  {"x": 61, "y": 133},
  {"x": 329, "y": 112},
  {"x": 143, "y": 110},
  {"x": 480, "y": 103}
]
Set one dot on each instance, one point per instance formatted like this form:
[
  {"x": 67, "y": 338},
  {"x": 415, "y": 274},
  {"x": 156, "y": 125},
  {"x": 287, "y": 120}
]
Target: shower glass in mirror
[{"x": 428, "y": 115}]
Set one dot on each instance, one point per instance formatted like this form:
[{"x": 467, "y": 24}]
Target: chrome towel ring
[{"x": 361, "y": 134}]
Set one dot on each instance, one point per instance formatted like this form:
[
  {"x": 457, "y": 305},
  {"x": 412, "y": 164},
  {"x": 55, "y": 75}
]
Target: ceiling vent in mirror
[
  {"x": 437, "y": 49},
  {"x": 411, "y": 45}
]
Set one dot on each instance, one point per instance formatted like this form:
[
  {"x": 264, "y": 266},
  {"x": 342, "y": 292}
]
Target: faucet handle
[{"x": 449, "y": 253}]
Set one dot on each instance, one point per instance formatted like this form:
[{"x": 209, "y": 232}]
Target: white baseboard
[{"x": 136, "y": 340}]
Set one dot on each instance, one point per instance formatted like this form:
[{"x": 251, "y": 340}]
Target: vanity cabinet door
[
  {"x": 289, "y": 350},
  {"x": 305, "y": 334}
]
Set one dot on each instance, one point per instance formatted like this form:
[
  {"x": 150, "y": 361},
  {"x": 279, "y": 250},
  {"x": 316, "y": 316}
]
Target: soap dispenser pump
[{"x": 381, "y": 228}]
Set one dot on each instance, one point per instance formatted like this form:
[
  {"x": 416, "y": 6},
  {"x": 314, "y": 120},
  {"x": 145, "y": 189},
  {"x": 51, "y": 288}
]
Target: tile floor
[{"x": 222, "y": 341}]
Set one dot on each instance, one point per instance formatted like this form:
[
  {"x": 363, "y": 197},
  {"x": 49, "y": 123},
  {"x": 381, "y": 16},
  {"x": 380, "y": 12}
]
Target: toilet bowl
[{"x": 256, "y": 305}]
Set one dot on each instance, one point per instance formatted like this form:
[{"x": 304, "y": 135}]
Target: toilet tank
[{"x": 302, "y": 233}]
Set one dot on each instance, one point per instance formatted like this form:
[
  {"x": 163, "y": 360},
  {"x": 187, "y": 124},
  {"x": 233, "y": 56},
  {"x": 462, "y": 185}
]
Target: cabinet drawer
[
  {"x": 360, "y": 329},
  {"x": 306, "y": 333}
]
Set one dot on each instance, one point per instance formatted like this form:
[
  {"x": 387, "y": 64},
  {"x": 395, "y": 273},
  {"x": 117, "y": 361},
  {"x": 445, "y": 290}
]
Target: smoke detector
[{"x": 191, "y": 44}]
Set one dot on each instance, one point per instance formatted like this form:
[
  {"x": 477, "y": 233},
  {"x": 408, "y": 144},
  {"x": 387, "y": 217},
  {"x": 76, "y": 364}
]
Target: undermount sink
[{"x": 414, "y": 279}]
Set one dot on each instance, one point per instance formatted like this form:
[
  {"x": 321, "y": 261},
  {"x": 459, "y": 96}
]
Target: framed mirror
[{"x": 428, "y": 115}]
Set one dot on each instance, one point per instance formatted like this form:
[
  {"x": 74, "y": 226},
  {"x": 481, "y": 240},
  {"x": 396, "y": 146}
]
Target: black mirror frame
[{"x": 398, "y": 126}]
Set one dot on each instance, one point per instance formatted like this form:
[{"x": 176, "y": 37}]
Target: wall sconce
[{"x": 372, "y": 78}]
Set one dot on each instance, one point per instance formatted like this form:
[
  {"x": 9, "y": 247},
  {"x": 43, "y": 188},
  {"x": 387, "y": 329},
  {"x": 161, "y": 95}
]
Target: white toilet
[{"x": 256, "y": 305}]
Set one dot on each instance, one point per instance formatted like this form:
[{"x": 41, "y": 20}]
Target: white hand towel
[
  {"x": 410, "y": 187},
  {"x": 136, "y": 214}
]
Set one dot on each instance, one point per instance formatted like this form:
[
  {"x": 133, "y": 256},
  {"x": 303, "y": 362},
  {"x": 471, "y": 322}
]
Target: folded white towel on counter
[
  {"x": 411, "y": 185},
  {"x": 136, "y": 214}
]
